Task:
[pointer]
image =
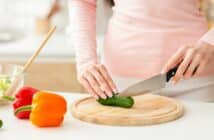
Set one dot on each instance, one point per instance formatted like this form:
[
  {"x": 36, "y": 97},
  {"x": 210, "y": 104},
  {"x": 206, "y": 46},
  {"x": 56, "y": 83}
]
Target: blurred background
[{"x": 23, "y": 23}]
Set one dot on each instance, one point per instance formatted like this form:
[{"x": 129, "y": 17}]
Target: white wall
[{"x": 21, "y": 13}]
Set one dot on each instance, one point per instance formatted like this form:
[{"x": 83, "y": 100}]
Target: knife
[{"x": 152, "y": 84}]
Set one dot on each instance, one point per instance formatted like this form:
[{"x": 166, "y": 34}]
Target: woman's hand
[
  {"x": 192, "y": 60},
  {"x": 97, "y": 81}
]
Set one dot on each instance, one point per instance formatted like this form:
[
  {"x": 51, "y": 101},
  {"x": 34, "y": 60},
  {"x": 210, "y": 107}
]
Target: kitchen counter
[{"x": 197, "y": 124}]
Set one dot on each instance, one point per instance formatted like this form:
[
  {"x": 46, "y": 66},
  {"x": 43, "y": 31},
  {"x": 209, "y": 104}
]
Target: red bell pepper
[
  {"x": 24, "y": 97},
  {"x": 47, "y": 109}
]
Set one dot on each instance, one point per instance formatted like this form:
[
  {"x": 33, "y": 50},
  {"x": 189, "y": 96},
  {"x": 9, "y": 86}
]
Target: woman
[{"x": 144, "y": 37}]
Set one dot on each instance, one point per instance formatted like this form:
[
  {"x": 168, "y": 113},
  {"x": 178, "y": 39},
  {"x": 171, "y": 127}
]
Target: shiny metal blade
[{"x": 148, "y": 85}]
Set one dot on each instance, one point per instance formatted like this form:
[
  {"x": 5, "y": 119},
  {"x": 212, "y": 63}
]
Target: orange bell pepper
[{"x": 47, "y": 109}]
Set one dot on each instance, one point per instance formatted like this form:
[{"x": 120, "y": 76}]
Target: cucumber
[
  {"x": 1, "y": 123},
  {"x": 115, "y": 100}
]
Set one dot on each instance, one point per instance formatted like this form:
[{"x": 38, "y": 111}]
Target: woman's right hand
[{"x": 97, "y": 81}]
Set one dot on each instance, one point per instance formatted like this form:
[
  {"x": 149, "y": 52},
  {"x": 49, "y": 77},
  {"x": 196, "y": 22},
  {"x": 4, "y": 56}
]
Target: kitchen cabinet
[{"x": 53, "y": 76}]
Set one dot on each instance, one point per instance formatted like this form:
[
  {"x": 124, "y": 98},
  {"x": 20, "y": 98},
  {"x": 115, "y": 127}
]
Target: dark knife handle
[{"x": 171, "y": 73}]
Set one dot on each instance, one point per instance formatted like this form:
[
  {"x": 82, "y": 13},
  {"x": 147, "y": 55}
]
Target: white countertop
[{"x": 197, "y": 124}]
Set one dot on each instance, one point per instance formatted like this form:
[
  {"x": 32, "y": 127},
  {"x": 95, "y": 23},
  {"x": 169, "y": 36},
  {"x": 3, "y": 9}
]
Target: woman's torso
[{"x": 142, "y": 35}]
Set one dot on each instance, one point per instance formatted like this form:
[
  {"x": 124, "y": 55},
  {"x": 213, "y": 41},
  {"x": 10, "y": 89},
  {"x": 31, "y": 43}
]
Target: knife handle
[{"x": 171, "y": 73}]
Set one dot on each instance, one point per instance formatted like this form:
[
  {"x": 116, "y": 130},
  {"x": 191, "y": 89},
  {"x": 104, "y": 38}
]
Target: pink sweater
[{"x": 142, "y": 34}]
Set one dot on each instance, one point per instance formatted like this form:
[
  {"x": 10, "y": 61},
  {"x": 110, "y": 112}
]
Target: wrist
[
  {"x": 81, "y": 68},
  {"x": 207, "y": 47},
  {"x": 201, "y": 43}
]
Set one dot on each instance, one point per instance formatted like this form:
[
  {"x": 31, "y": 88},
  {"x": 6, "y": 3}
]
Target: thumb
[
  {"x": 175, "y": 60},
  {"x": 170, "y": 65}
]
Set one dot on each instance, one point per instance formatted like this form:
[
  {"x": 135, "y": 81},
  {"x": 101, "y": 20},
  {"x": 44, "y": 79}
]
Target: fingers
[
  {"x": 184, "y": 65},
  {"x": 194, "y": 60},
  {"x": 107, "y": 77},
  {"x": 207, "y": 54},
  {"x": 175, "y": 60},
  {"x": 193, "y": 66},
  {"x": 95, "y": 85},
  {"x": 85, "y": 83},
  {"x": 97, "y": 81},
  {"x": 202, "y": 65},
  {"x": 102, "y": 82}
]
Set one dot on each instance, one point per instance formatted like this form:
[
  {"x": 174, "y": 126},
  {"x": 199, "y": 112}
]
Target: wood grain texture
[{"x": 148, "y": 109}]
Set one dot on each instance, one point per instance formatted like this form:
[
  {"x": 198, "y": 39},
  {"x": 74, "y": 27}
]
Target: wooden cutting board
[{"x": 148, "y": 109}]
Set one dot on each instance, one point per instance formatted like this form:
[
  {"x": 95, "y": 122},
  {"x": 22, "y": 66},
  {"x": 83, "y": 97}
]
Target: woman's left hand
[{"x": 192, "y": 60}]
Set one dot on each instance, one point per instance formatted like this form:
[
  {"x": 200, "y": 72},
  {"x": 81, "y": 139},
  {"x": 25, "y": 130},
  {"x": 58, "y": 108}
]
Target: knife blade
[{"x": 152, "y": 84}]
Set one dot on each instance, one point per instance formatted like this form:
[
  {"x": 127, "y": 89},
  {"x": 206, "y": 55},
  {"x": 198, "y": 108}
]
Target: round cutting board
[{"x": 148, "y": 109}]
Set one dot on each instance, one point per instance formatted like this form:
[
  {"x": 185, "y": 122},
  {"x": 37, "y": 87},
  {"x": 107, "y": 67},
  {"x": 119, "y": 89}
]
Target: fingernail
[
  {"x": 109, "y": 94},
  {"x": 103, "y": 96},
  {"x": 115, "y": 91}
]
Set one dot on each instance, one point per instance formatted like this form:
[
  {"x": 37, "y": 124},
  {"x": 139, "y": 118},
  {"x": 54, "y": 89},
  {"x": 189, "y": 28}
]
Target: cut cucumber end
[{"x": 1, "y": 123}]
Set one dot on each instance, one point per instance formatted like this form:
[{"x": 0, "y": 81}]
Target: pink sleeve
[
  {"x": 83, "y": 31},
  {"x": 208, "y": 37}
]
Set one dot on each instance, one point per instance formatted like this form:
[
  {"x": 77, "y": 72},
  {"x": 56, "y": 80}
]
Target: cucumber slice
[{"x": 115, "y": 100}]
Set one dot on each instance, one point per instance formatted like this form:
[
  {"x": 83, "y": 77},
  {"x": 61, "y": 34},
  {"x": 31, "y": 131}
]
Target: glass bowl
[{"x": 12, "y": 78}]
